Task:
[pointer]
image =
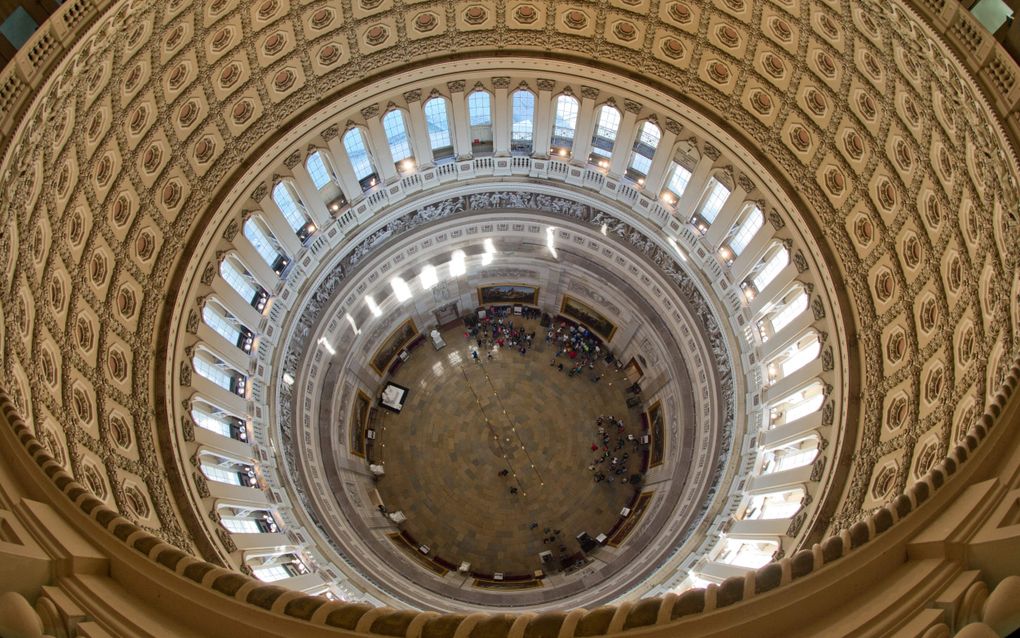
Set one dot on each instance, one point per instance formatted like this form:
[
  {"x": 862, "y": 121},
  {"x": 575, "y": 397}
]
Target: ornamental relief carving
[{"x": 136, "y": 313}]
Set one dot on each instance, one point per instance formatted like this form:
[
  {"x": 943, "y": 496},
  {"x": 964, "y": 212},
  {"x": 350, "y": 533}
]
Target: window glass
[
  {"x": 357, "y": 152},
  {"x": 746, "y": 231},
  {"x": 479, "y": 113},
  {"x": 317, "y": 170},
  {"x": 523, "y": 126},
  {"x": 437, "y": 122},
  {"x": 396, "y": 135},
  {"x": 565, "y": 121},
  {"x": 717, "y": 195},
  {"x": 288, "y": 205}
]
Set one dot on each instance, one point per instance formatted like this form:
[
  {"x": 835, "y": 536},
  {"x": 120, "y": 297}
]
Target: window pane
[
  {"x": 438, "y": 123},
  {"x": 271, "y": 573},
  {"x": 751, "y": 225},
  {"x": 289, "y": 207},
  {"x": 523, "y": 127},
  {"x": 260, "y": 240},
  {"x": 565, "y": 121},
  {"x": 241, "y": 525},
  {"x": 238, "y": 281},
  {"x": 789, "y": 313},
  {"x": 644, "y": 148},
  {"x": 221, "y": 475},
  {"x": 317, "y": 170},
  {"x": 214, "y": 319},
  {"x": 717, "y": 195},
  {"x": 354, "y": 144},
  {"x": 211, "y": 423},
  {"x": 640, "y": 164},
  {"x": 650, "y": 135},
  {"x": 678, "y": 180},
  {"x": 478, "y": 109},
  {"x": 605, "y": 131},
  {"x": 772, "y": 268},
  {"x": 396, "y": 135},
  {"x": 213, "y": 372}
]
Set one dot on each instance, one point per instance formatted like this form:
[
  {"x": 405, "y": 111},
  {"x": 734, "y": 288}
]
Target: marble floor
[{"x": 465, "y": 421}]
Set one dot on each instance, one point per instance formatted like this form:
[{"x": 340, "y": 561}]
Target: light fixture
[
  {"x": 373, "y": 306},
  {"x": 400, "y": 289},
  {"x": 327, "y": 345},
  {"x": 289, "y": 380},
  {"x": 490, "y": 251},
  {"x": 407, "y": 165},
  {"x": 350, "y": 320},
  {"x": 550, "y": 240},
  {"x": 641, "y": 181},
  {"x": 457, "y": 263},
  {"x": 428, "y": 276}
]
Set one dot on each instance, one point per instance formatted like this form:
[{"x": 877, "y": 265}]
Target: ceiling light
[
  {"x": 428, "y": 276},
  {"x": 327, "y": 345},
  {"x": 550, "y": 240},
  {"x": 457, "y": 265},
  {"x": 350, "y": 320},
  {"x": 373, "y": 306},
  {"x": 400, "y": 289}
]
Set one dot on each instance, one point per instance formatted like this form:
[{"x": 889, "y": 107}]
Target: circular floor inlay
[{"x": 443, "y": 474}]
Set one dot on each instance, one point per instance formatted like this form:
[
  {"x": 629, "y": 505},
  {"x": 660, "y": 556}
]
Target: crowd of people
[
  {"x": 498, "y": 329},
  {"x": 612, "y": 464}
]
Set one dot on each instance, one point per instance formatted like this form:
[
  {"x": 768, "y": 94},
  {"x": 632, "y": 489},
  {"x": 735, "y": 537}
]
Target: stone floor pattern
[{"x": 442, "y": 459}]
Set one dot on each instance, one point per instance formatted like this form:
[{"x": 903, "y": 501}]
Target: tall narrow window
[
  {"x": 240, "y": 281},
  {"x": 215, "y": 318},
  {"x": 241, "y": 525},
  {"x": 480, "y": 119},
  {"x": 522, "y": 130},
  {"x": 317, "y": 170},
  {"x": 605, "y": 134},
  {"x": 745, "y": 232},
  {"x": 717, "y": 195},
  {"x": 564, "y": 123},
  {"x": 265, "y": 244},
  {"x": 437, "y": 122},
  {"x": 775, "y": 264},
  {"x": 214, "y": 371},
  {"x": 290, "y": 207},
  {"x": 212, "y": 423},
  {"x": 396, "y": 136},
  {"x": 221, "y": 475},
  {"x": 271, "y": 573},
  {"x": 790, "y": 311},
  {"x": 644, "y": 149},
  {"x": 678, "y": 179},
  {"x": 357, "y": 153}
]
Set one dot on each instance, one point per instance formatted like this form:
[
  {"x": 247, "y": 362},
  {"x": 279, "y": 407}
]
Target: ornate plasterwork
[{"x": 80, "y": 145}]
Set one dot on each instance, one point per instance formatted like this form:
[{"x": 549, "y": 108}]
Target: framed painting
[
  {"x": 657, "y": 431},
  {"x": 585, "y": 314},
  {"x": 392, "y": 345},
  {"x": 507, "y": 294},
  {"x": 359, "y": 422}
]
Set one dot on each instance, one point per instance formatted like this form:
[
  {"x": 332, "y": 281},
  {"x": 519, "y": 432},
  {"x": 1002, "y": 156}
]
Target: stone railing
[
  {"x": 564, "y": 624},
  {"x": 994, "y": 69},
  {"x": 39, "y": 56}
]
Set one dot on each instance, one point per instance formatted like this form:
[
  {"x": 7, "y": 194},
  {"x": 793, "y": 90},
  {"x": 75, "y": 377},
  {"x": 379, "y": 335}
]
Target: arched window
[
  {"x": 226, "y": 325},
  {"x": 790, "y": 455},
  {"x": 437, "y": 121},
  {"x": 480, "y": 119},
  {"x": 317, "y": 170},
  {"x": 265, "y": 244},
  {"x": 796, "y": 356},
  {"x": 222, "y": 469},
  {"x": 774, "y": 505},
  {"x": 751, "y": 554},
  {"x": 644, "y": 149},
  {"x": 602, "y": 141},
  {"x": 216, "y": 420},
  {"x": 396, "y": 137},
  {"x": 222, "y": 374},
  {"x": 293, "y": 211},
  {"x": 678, "y": 179},
  {"x": 789, "y": 311},
  {"x": 277, "y": 567},
  {"x": 796, "y": 405},
  {"x": 240, "y": 519},
  {"x": 242, "y": 281},
  {"x": 522, "y": 129},
  {"x": 742, "y": 233},
  {"x": 361, "y": 162},
  {"x": 564, "y": 123},
  {"x": 777, "y": 258},
  {"x": 716, "y": 197}
]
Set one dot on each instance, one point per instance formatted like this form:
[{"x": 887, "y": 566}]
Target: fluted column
[
  {"x": 800, "y": 378},
  {"x": 777, "y": 481},
  {"x": 759, "y": 529},
  {"x": 418, "y": 129},
  {"x": 378, "y": 143},
  {"x": 776, "y": 288},
  {"x": 349, "y": 184},
  {"x": 461, "y": 122},
  {"x": 501, "y": 117},
  {"x": 543, "y": 118},
  {"x": 624, "y": 138},
  {"x": 278, "y": 224},
  {"x": 727, "y": 216},
  {"x": 310, "y": 196},
  {"x": 691, "y": 196},
  {"x": 753, "y": 253},
  {"x": 792, "y": 431},
  {"x": 585, "y": 125},
  {"x": 657, "y": 173}
]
